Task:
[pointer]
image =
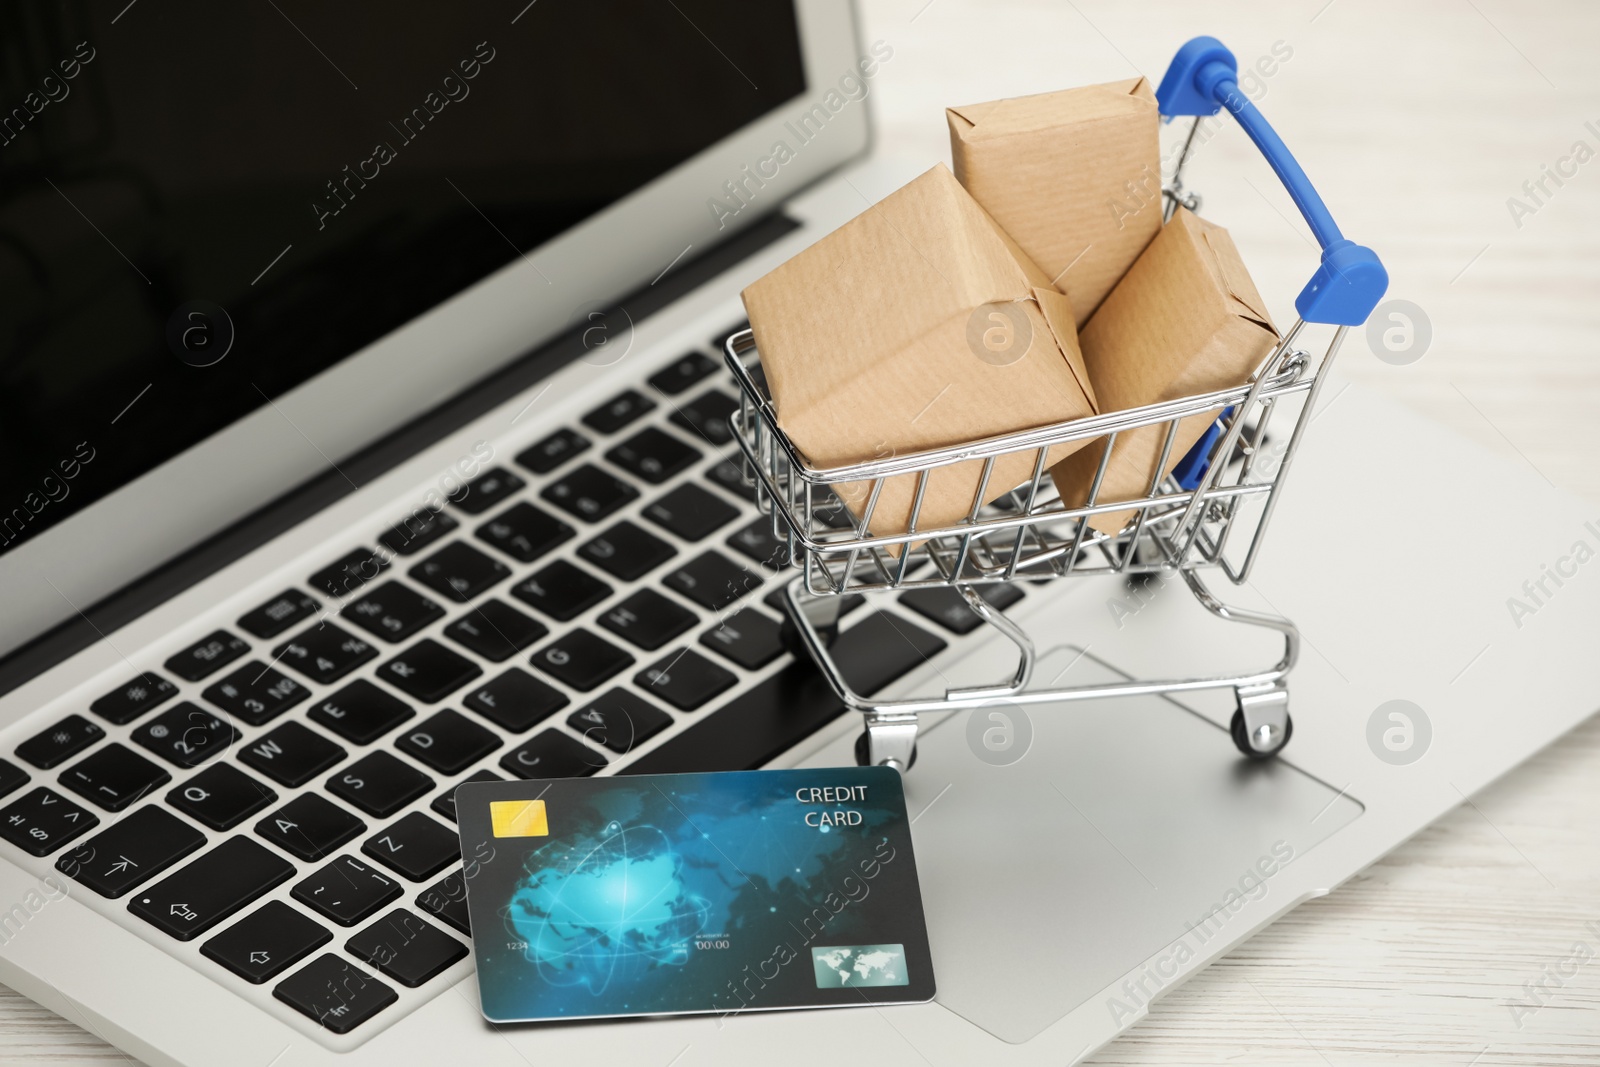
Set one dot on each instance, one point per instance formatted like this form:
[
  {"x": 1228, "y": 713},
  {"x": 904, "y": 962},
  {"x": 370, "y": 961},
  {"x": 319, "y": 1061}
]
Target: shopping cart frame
[{"x": 1181, "y": 526}]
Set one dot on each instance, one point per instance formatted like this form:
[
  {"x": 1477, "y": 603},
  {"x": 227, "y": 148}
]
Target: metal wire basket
[{"x": 1211, "y": 513}]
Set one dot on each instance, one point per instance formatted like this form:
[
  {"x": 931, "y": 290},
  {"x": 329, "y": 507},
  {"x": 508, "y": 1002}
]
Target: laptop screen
[{"x": 210, "y": 204}]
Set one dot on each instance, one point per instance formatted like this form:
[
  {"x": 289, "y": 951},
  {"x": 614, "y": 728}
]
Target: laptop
[{"x": 366, "y": 426}]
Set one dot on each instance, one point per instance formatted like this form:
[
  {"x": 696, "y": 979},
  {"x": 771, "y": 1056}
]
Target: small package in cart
[
  {"x": 1074, "y": 177},
  {"x": 919, "y": 324},
  {"x": 1185, "y": 320}
]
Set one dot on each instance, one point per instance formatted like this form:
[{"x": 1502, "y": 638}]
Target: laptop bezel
[{"x": 298, "y": 435}]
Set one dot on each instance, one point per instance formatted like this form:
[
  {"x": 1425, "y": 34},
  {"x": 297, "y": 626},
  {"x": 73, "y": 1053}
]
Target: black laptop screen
[{"x": 320, "y": 172}]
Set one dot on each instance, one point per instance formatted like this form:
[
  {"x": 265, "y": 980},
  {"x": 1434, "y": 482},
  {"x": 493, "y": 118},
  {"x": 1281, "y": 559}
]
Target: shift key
[{"x": 196, "y": 898}]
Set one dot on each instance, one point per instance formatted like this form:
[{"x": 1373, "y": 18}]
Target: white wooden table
[{"x": 1417, "y": 119}]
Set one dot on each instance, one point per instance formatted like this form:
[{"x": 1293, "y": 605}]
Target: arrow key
[
  {"x": 266, "y": 942},
  {"x": 138, "y": 847}
]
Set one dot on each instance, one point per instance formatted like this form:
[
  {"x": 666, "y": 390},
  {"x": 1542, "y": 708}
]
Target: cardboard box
[
  {"x": 1074, "y": 177},
  {"x": 1185, "y": 319},
  {"x": 919, "y": 324}
]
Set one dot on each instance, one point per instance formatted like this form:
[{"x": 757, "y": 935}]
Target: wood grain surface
[{"x": 1419, "y": 120}]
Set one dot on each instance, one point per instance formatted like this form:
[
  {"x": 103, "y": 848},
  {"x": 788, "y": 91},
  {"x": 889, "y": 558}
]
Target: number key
[
  {"x": 589, "y": 493},
  {"x": 132, "y": 699},
  {"x": 324, "y": 653},
  {"x": 256, "y": 693},
  {"x": 185, "y": 734},
  {"x": 207, "y": 655},
  {"x": 53, "y": 747},
  {"x": 393, "y": 612}
]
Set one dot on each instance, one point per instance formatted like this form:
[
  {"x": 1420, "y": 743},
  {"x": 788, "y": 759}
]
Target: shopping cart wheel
[
  {"x": 864, "y": 760},
  {"x": 1268, "y": 739}
]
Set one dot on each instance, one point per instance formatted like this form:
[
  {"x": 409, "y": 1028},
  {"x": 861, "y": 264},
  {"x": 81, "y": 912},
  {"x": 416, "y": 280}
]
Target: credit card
[{"x": 674, "y": 894}]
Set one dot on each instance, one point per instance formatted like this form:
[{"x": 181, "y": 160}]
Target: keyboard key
[
  {"x": 495, "y": 631},
  {"x": 757, "y": 541},
  {"x": 324, "y": 653},
  {"x": 429, "y": 671},
  {"x": 291, "y": 754},
  {"x": 746, "y": 637},
  {"x": 256, "y": 693},
  {"x": 627, "y": 552},
  {"x": 712, "y": 580},
  {"x": 114, "y": 776},
  {"x": 41, "y": 821},
  {"x": 221, "y": 797},
  {"x": 136, "y": 848},
  {"x": 346, "y": 890},
  {"x": 552, "y": 754},
  {"x": 207, "y": 655},
  {"x": 445, "y": 803},
  {"x": 847, "y": 603},
  {"x": 132, "y": 699},
  {"x": 186, "y": 734},
  {"x": 581, "y": 660},
  {"x": 619, "y": 720},
  {"x": 12, "y": 777},
  {"x": 459, "y": 572},
  {"x": 729, "y": 475},
  {"x": 617, "y": 412},
  {"x": 525, "y": 532},
  {"x": 762, "y": 723},
  {"x": 446, "y": 900},
  {"x": 487, "y": 490},
  {"x": 648, "y": 619},
  {"x": 691, "y": 512},
  {"x": 945, "y": 606},
  {"x": 337, "y": 994},
  {"x": 653, "y": 455},
  {"x": 278, "y": 614},
  {"x": 688, "y": 370},
  {"x": 361, "y": 712},
  {"x": 393, "y": 612},
  {"x": 415, "y": 846},
  {"x": 708, "y": 416},
  {"x": 589, "y": 493},
  {"x": 267, "y": 942},
  {"x": 59, "y": 743},
  {"x": 349, "y": 572},
  {"x": 379, "y": 784},
  {"x": 448, "y": 741},
  {"x": 515, "y": 701},
  {"x": 406, "y": 948},
  {"x": 417, "y": 531},
  {"x": 561, "y": 590},
  {"x": 685, "y": 679},
  {"x": 310, "y": 826},
  {"x": 553, "y": 451},
  {"x": 197, "y": 897}
]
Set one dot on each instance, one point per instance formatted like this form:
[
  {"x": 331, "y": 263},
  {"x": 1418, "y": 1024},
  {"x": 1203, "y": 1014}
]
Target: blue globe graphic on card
[{"x": 610, "y": 908}]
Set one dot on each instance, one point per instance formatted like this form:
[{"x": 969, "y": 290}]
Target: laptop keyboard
[{"x": 281, "y": 791}]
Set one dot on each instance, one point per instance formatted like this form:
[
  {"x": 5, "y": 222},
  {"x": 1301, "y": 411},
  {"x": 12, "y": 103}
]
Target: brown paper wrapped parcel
[
  {"x": 881, "y": 340},
  {"x": 1186, "y": 319},
  {"x": 1074, "y": 177}
]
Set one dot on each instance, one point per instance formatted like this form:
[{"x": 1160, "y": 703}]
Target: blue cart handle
[{"x": 1204, "y": 78}]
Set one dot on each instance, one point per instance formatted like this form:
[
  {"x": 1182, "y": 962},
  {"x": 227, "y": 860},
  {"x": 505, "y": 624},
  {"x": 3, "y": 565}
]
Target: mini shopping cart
[{"x": 1221, "y": 492}]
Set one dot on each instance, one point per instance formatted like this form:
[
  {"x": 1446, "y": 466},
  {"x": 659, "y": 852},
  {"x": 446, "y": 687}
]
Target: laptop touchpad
[{"x": 1126, "y": 822}]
